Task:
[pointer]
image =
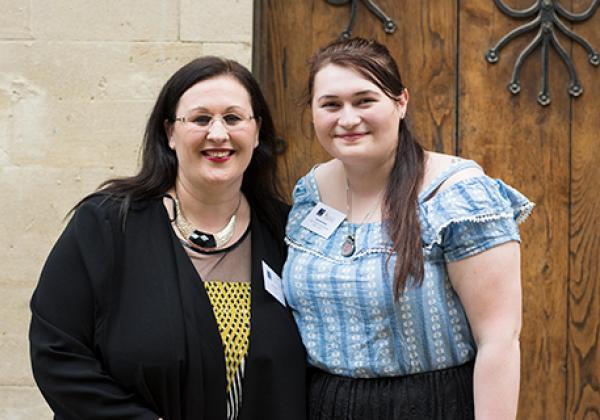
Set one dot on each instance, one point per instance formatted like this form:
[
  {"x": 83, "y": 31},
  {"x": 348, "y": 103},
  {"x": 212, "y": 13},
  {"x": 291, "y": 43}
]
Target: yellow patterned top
[{"x": 231, "y": 306}]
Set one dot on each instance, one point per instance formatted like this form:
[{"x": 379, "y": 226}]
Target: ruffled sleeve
[
  {"x": 304, "y": 198},
  {"x": 472, "y": 216},
  {"x": 302, "y": 190}
]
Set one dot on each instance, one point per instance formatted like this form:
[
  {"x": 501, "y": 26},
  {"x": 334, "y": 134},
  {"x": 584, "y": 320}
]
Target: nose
[
  {"x": 217, "y": 130},
  {"x": 348, "y": 117}
]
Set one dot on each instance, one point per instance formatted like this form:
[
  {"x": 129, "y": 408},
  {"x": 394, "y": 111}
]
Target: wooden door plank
[
  {"x": 583, "y": 380},
  {"x": 282, "y": 43},
  {"x": 527, "y": 146}
]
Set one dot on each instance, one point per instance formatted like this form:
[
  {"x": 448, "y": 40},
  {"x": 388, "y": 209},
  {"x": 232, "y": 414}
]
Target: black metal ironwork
[
  {"x": 389, "y": 26},
  {"x": 547, "y": 17}
]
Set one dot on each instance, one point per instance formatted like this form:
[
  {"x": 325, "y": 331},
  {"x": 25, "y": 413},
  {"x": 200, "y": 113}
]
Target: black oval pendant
[{"x": 348, "y": 247}]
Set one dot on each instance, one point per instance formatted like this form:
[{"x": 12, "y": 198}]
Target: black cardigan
[{"x": 122, "y": 328}]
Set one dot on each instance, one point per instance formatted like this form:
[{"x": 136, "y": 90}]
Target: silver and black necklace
[
  {"x": 204, "y": 239},
  {"x": 349, "y": 244}
]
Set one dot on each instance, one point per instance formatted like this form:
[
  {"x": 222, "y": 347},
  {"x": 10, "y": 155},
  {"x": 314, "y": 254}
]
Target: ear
[
  {"x": 402, "y": 102},
  {"x": 403, "y": 98},
  {"x": 258, "y": 125},
  {"x": 169, "y": 132}
]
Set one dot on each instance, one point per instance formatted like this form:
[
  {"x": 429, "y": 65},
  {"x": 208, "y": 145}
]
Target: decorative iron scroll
[
  {"x": 389, "y": 26},
  {"x": 547, "y": 18}
]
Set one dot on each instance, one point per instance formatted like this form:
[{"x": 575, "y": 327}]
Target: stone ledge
[
  {"x": 23, "y": 403},
  {"x": 14, "y": 347},
  {"x": 208, "y": 21},
  {"x": 38, "y": 199},
  {"x": 136, "y": 20},
  {"x": 14, "y": 19},
  {"x": 90, "y": 71},
  {"x": 241, "y": 52}
]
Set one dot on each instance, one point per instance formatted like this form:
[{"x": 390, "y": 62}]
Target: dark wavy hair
[
  {"x": 374, "y": 62},
  {"x": 158, "y": 169}
]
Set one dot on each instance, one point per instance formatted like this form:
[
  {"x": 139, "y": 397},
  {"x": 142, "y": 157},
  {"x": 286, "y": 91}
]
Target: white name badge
[
  {"x": 273, "y": 283},
  {"x": 323, "y": 220}
]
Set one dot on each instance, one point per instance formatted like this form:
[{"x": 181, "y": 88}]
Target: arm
[
  {"x": 489, "y": 287},
  {"x": 63, "y": 334}
]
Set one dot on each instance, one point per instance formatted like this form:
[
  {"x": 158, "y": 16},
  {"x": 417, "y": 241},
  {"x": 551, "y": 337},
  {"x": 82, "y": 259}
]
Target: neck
[
  {"x": 364, "y": 192},
  {"x": 208, "y": 208},
  {"x": 366, "y": 181}
]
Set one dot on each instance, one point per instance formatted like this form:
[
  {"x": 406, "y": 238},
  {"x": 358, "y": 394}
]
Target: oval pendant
[{"x": 348, "y": 246}]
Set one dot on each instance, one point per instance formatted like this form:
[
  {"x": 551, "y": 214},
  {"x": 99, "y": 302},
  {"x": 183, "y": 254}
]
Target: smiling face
[
  {"x": 354, "y": 120},
  {"x": 210, "y": 154}
]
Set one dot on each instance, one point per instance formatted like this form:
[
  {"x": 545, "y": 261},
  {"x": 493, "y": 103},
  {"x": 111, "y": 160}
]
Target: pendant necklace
[
  {"x": 204, "y": 239},
  {"x": 349, "y": 244}
]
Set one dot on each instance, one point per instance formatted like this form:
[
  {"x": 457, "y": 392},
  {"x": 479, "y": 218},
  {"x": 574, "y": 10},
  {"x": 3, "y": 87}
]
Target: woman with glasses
[
  {"x": 160, "y": 299},
  {"x": 403, "y": 264}
]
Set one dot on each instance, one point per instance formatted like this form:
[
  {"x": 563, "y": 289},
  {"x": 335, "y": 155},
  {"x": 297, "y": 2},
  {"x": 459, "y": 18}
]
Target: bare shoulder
[
  {"x": 437, "y": 163},
  {"x": 327, "y": 172},
  {"x": 329, "y": 176},
  {"x": 326, "y": 169}
]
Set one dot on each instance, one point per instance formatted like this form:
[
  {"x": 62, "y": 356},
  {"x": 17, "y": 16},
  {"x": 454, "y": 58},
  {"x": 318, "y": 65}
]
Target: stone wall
[{"x": 77, "y": 82}]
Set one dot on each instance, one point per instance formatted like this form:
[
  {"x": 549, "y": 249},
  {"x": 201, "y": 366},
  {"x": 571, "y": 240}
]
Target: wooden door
[{"x": 460, "y": 105}]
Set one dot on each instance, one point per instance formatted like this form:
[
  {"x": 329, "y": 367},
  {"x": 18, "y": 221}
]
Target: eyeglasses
[{"x": 204, "y": 122}]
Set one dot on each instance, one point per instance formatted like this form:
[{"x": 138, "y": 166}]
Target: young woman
[
  {"x": 403, "y": 265},
  {"x": 153, "y": 302}
]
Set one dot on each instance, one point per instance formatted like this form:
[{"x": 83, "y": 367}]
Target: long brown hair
[{"x": 374, "y": 62}]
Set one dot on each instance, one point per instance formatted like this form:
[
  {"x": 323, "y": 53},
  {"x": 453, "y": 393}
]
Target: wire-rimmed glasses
[{"x": 204, "y": 122}]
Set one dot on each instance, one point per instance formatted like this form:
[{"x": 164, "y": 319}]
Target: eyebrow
[
  {"x": 228, "y": 109},
  {"x": 360, "y": 93}
]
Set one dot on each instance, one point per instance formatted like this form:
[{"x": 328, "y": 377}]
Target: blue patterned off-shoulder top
[{"x": 349, "y": 321}]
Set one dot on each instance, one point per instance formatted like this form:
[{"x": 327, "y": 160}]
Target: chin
[
  {"x": 225, "y": 178},
  {"x": 349, "y": 152}
]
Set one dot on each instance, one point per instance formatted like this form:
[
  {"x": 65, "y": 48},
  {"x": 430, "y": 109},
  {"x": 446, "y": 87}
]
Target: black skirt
[{"x": 441, "y": 395}]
